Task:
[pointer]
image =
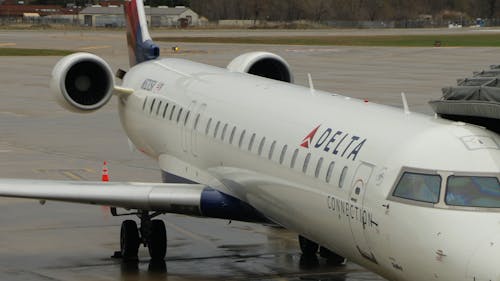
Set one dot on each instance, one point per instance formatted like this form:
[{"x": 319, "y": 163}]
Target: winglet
[{"x": 141, "y": 47}]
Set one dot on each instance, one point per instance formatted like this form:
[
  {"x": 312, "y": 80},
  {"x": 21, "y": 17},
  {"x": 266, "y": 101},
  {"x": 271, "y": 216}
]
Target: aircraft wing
[{"x": 175, "y": 198}]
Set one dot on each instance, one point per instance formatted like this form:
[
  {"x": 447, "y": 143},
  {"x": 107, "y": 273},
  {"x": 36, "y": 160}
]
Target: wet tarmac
[
  {"x": 72, "y": 242},
  {"x": 40, "y": 140}
]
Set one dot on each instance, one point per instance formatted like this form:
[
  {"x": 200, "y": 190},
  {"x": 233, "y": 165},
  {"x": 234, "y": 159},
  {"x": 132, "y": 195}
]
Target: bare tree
[
  {"x": 373, "y": 9},
  {"x": 321, "y": 10}
]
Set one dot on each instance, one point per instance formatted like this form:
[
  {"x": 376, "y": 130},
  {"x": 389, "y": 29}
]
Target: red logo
[{"x": 308, "y": 139}]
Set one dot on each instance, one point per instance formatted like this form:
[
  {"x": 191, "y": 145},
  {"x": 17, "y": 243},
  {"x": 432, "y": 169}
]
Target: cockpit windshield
[
  {"x": 471, "y": 191},
  {"x": 418, "y": 187}
]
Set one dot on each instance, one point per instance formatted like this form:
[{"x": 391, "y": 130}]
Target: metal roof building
[{"x": 112, "y": 16}]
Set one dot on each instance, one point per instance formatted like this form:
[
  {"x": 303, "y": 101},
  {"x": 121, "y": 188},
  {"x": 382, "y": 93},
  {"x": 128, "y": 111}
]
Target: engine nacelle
[
  {"x": 262, "y": 64},
  {"x": 82, "y": 82}
]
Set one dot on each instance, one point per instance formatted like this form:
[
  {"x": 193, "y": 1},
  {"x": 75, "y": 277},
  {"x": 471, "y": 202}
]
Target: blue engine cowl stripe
[{"x": 215, "y": 204}]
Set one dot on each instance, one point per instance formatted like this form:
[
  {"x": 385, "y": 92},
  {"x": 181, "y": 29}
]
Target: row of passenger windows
[
  {"x": 272, "y": 150},
  {"x": 166, "y": 110},
  {"x": 227, "y": 133}
]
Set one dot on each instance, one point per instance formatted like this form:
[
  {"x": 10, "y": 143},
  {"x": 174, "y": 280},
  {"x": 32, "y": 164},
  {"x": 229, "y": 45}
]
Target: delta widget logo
[{"x": 308, "y": 139}]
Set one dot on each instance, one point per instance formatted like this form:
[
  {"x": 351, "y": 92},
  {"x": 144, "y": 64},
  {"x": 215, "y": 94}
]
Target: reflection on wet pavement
[
  {"x": 309, "y": 268},
  {"x": 59, "y": 241}
]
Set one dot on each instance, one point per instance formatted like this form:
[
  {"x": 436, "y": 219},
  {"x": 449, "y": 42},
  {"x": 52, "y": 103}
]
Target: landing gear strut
[
  {"x": 310, "y": 249},
  {"x": 331, "y": 257},
  {"x": 151, "y": 233},
  {"x": 307, "y": 246}
]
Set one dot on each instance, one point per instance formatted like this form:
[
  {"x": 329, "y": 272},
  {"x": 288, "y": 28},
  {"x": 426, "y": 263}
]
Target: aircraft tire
[
  {"x": 331, "y": 257},
  {"x": 307, "y": 246},
  {"x": 157, "y": 244},
  {"x": 129, "y": 240}
]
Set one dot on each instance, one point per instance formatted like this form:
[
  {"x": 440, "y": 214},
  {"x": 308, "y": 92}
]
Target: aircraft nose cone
[{"x": 485, "y": 261}]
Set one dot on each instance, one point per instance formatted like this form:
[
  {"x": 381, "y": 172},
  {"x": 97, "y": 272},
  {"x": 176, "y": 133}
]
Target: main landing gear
[
  {"x": 310, "y": 249},
  {"x": 151, "y": 233}
]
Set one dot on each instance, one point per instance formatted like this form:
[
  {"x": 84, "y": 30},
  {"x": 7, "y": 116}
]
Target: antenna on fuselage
[
  {"x": 405, "y": 103},
  {"x": 311, "y": 84}
]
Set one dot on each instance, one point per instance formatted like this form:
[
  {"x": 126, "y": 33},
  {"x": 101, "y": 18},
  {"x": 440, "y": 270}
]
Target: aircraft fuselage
[{"x": 321, "y": 164}]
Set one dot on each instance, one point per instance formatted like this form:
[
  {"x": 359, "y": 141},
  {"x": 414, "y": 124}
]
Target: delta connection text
[{"x": 351, "y": 211}]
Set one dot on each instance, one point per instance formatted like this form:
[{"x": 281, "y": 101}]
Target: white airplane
[{"x": 408, "y": 196}]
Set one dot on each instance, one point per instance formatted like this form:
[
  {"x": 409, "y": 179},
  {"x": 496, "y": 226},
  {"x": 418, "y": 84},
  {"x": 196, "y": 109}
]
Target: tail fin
[{"x": 140, "y": 45}]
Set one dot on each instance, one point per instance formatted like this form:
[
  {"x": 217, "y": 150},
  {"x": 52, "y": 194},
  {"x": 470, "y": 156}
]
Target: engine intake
[
  {"x": 262, "y": 64},
  {"x": 82, "y": 82}
]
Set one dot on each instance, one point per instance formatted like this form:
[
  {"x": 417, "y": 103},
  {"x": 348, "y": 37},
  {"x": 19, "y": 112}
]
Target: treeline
[
  {"x": 322, "y": 10},
  {"x": 169, "y": 3}
]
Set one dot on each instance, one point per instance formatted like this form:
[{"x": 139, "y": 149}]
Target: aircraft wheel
[
  {"x": 157, "y": 243},
  {"x": 307, "y": 246},
  {"x": 129, "y": 240},
  {"x": 331, "y": 257}
]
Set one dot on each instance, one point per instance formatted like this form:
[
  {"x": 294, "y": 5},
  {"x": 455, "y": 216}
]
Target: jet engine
[
  {"x": 82, "y": 82},
  {"x": 262, "y": 64}
]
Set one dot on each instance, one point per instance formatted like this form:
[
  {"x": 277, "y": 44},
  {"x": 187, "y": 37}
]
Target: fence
[{"x": 157, "y": 21}]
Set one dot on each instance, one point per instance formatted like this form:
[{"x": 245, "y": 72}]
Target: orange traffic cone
[
  {"x": 105, "y": 175},
  {"x": 105, "y": 178}
]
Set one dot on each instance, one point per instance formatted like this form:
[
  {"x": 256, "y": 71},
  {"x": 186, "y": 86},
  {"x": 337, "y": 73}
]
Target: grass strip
[
  {"x": 33, "y": 52},
  {"x": 447, "y": 40}
]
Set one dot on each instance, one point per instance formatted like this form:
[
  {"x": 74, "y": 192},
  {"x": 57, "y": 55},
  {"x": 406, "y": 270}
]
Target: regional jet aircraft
[{"x": 408, "y": 196}]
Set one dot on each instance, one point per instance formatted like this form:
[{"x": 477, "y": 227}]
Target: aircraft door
[{"x": 360, "y": 218}]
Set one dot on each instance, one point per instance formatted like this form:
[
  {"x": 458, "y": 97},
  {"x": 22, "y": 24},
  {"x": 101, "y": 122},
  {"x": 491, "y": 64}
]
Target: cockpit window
[
  {"x": 419, "y": 187},
  {"x": 471, "y": 191}
]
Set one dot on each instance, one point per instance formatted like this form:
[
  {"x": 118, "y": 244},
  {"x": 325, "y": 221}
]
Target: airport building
[
  {"x": 37, "y": 14},
  {"x": 112, "y": 16}
]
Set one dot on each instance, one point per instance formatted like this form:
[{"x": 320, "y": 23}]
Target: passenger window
[
  {"x": 207, "y": 129},
  {"x": 294, "y": 158},
  {"x": 329, "y": 172},
  {"x": 471, "y": 191},
  {"x": 158, "y": 108},
  {"x": 172, "y": 113},
  {"x": 144, "y": 104},
  {"x": 152, "y": 105},
  {"x": 242, "y": 136},
  {"x": 261, "y": 145},
  {"x": 283, "y": 153},
  {"x": 179, "y": 115},
  {"x": 196, "y": 121},
  {"x": 250, "y": 144},
  {"x": 223, "y": 135},
  {"x": 231, "y": 137},
  {"x": 271, "y": 150},
  {"x": 216, "y": 128},
  {"x": 342, "y": 176},
  {"x": 165, "y": 110},
  {"x": 419, "y": 187},
  {"x": 318, "y": 167},
  {"x": 186, "y": 119},
  {"x": 306, "y": 163}
]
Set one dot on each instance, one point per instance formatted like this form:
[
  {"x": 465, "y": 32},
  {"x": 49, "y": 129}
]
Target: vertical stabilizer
[{"x": 140, "y": 45}]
